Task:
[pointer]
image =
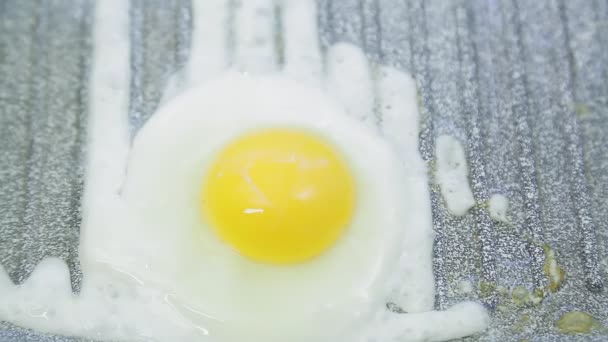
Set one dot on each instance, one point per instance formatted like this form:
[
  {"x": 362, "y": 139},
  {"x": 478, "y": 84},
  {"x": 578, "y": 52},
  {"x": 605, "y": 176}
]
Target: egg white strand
[
  {"x": 208, "y": 55},
  {"x": 414, "y": 288},
  {"x": 460, "y": 320},
  {"x": 302, "y": 53},
  {"x": 452, "y": 175},
  {"x": 48, "y": 289},
  {"x": 208, "y": 52},
  {"x": 255, "y": 36},
  {"x": 108, "y": 138},
  {"x": 349, "y": 81}
]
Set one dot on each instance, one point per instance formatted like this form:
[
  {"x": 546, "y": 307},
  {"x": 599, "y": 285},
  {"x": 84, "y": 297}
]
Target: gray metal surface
[{"x": 523, "y": 84}]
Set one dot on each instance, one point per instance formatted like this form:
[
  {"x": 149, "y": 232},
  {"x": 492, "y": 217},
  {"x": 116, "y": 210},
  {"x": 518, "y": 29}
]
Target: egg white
[{"x": 234, "y": 296}]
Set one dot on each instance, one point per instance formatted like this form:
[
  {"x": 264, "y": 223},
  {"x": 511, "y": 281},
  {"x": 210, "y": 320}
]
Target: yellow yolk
[{"x": 279, "y": 196}]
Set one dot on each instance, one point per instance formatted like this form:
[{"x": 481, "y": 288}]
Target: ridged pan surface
[{"x": 522, "y": 84}]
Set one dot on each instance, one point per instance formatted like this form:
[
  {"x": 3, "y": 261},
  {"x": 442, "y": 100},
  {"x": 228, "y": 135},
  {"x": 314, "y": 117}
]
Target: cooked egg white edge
[
  {"x": 413, "y": 288},
  {"x": 110, "y": 304}
]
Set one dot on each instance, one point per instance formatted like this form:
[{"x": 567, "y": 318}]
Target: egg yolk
[{"x": 279, "y": 196}]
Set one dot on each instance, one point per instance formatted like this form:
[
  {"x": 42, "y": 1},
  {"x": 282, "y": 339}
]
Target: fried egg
[
  {"x": 266, "y": 210},
  {"x": 249, "y": 208}
]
